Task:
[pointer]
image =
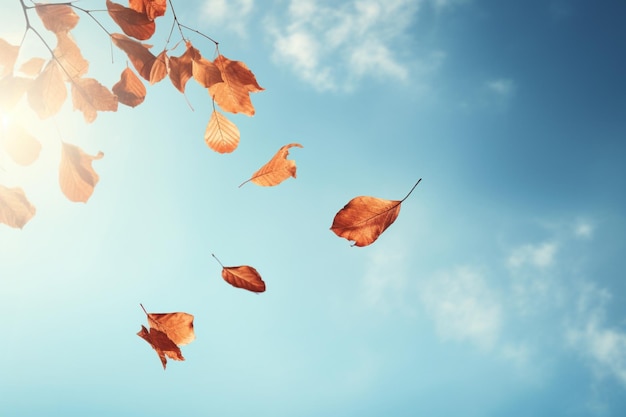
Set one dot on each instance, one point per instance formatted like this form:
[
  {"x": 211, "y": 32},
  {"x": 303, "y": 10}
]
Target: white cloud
[
  {"x": 463, "y": 307},
  {"x": 540, "y": 256},
  {"x": 502, "y": 86},
  {"x": 230, "y": 14},
  {"x": 583, "y": 230}
]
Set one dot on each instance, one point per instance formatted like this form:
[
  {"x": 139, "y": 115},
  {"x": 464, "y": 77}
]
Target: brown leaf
[
  {"x": 8, "y": 56},
  {"x": 15, "y": 209},
  {"x": 181, "y": 68},
  {"x": 57, "y": 17},
  {"x": 232, "y": 95},
  {"x": 177, "y": 326},
  {"x": 277, "y": 170},
  {"x": 129, "y": 89},
  {"x": 90, "y": 97},
  {"x": 364, "y": 218},
  {"x": 243, "y": 276},
  {"x": 32, "y": 67},
  {"x": 76, "y": 175},
  {"x": 132, "y": 22},
  {"x": 47, "y": 92},
  {"x": 221, "y": 134},
  {"x": 138, "y": 53},
  {"x": 204, "y": 71},
  {"x": 151, "y": 8},
  {"x": 20, "y": 145},
  {"x": 69, "y": 57},
  {"x": 162, "y": 344},
  {"x": 159, "y": 68},
  {"x": 13, "y": 89}
]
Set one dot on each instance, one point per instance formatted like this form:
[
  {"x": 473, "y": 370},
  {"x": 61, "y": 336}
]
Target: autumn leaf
[
  {"x": 15, "y": 209},
  {"x": 8, "y": 56},
  {"x": 69, "y": 57},
  {"x": 32, "y": 67},
  {"x": 77, "y": 177},
  {"x": 277, "y": 170},
  {"x": 20, "y": 145},
  {"x": 57, "y": 18},
  {"x": 205, "y": 72},
  {"x": 138, "y": 53},
  {"x": 47, "y": 92},
  {"x": 364, "y": 218},
  {"x": 244, "y": 276},
  {"x": 159, "y": 68},
  {"x": 181, "y": 68},
  {"x": 221, "y": 134},
  {"x": 132, "y": 22},
  {"x": 162, "y": 344},
  {"x": 232, "y": 95},
  {"x": 151, "y": 8},
  {"x": 90, "y": 97},
  {"x": 129, "y": 89}
]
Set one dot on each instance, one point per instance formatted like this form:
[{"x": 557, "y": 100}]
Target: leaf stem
[
  {"x": 213, "y": 255},
  {"x": 407, "y": 196},
  {"x": 144, "y": 310}
]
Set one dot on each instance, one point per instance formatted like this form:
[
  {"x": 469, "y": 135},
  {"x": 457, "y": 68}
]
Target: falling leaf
[
  {"x": 57, "y": 18},
  {"x": 69, "y": 57},
  {"x": 243, "y": 276},
  {"x": 47, "y": 92},
  {"x": 364, "y": 218},
  {"x": 168, "y": 331},
  {"x": 138, "y": 53},
  {"x": 151, "y": 8},
  {"x": 277, "y": 170},
  {"x": 90, "y": 97},
  {"x": 181, "y": 68},
  {"x": 20, "y": 145},
  {"x": 232, "y": 95},
  {"x": 132, "y": 22},
  {"x": 159, "y": 68},
  {"x": 15, "y": 209},
  {"x": 8, "y": 56},
  {"x": 32, "y": 67},
  {"x": 76, "y": 175},
  {"x": 129, "y": 89},
  {"x": 221, "y": 134}
]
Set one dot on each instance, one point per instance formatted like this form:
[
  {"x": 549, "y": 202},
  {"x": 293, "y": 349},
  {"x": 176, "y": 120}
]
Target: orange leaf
[
  {"x": 132, "y": 22},
  {"x": 204, "y": 71},
  {"x": 57, "y": 17},
  {"x": 15, "y": 209},
  {"x": 129, "y": 89},
  {"x": 221, "y": 134},
  {"x": 162, "y": 344},
  {"x": 151, "y": 8},
  {"x": 244, "y": 276},
  {"x": 90, "y": 97},
  {"x": 181, "y": 68},
  {"x": 277, "y": 170},
  {"x": 32, "y": 67},
  {"x": 76, "y": 175},
  {"x": 13, "y": 89},
  {"x": 8, "y": 56},
  {"x": 159, "y": 68},
  {"x": 138, "y": 53},
  {"x": 232, "y": 95},
  {"x": 20, "y": 145},
  {"x": 69, "y": 57},
  {"x": 364, "y": 219},
  {"x": 47, "y": 92}
]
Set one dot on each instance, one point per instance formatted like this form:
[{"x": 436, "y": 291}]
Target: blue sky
[{"x": 499, "y": 290}]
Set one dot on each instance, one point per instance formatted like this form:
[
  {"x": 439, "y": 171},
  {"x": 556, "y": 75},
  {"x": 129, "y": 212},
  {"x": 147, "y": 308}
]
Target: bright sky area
[{"x": 498, "y": 291}]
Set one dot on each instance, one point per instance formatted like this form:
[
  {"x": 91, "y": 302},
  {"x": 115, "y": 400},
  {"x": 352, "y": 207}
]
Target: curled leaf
[
  {"x": 138, "y": 53},
  {"x": 277, "y": 170},
  {"x": 132, "y": 22},
  {"x": 15, "y": 209},
  {"x": 77, "y": 177},
  {"x": 159, "y": 68},
  {"x": 151, "y": 8},
  {"x": 221, "y": 134},
  {"x": 181, "y": 68},
  {"x": 243, "y": 276},
  {"x": 129, "y": 89},
  {"x": 162, "y": 344},
  {"x": 364, "y": 218}
]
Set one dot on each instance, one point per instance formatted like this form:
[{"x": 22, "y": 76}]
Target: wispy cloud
[
  {"x": 233, "y": 15},
  {"x": 540, "y": 256},
  {"x": 503, "y": 87}
]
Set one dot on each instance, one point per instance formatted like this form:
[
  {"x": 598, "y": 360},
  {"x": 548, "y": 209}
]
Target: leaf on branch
[
  {"x": 167, "y": 332},
  {"x": 32, "y": 67},
  {"x": 69, "y": 57},
  {"x": 181, "y": 68},
  {"x": 232, "y": 95},
  {"x": 244, "y": 276},
  {"x": 278, "y": 169},
  {"x": 159, "y": 68},
  {"x": 90, "y": 97},
  {"x": 138, "y": 53},
  {"x": 132, "y": 22},
  {"x": 77, "y": 177},
  {"x": 20, "y": 145},
  {"x": 364, "y": 218},
  {"x": 13, "y": 89},
  {"x": 129, "y": 89},
  {"x": 47, "y": 92},
  {"x": 8, "y": 56},
  {"x": 221, "y": 134},
  {"x": 15, "y": 209},
  {"x": 57, "y": 18},
  {"x": 151, "y": 8},
  {"x": 205, "y": 72}
]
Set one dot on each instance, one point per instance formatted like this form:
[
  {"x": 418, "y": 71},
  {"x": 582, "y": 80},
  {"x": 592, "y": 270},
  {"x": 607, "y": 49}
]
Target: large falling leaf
[
  {"x": 232, "y": 95},
  {"x": 90, "y": 97},
  {"x": 8, "y": 56},
  {"x": 129, "y": 89},
  {"x": 15, "y": 209},
  {"x": 168, "y": 331},
  {"x": 47, "y": 92},
  {"x": 243, "y": 276},
  {"x": 277, "y": 170},
  {"x": 151, "y": 8},
  {"x": 132, "y": 22},
  {"x": 57, "y": 18},
  {"x": 77, "y": 177},
  {"x": 364, "y": 218},
  {"x": 138, "y": 53},
  {"x": 20, "y": 145},
  {"x": 221, "y": 134}
]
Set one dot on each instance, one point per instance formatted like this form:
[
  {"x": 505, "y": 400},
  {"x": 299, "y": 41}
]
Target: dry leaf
[
  {"x": 243, "y": 276},
  {"x": 8, "y": 56},
  {"x": 364, "y": 219},
  {"x": 221, "y": 134},
  {"x": 57, "y": 18},
  {"x": 90, "y": 97},
  {"x": 138, "y": 53},
  {"x": 32, "y": 67},
  {"x": 132, "y": 22},
  {"x": 15, "y": 209},
  {"x": 76, "y": 175},
  {"x": 181, "y": 68},
  {"x": 20, "y": 145},
  {"x": 159, "y": 68},
  {"x": 69, "y": 57},
  {"x": 129, "y": 89},
  {"x": 151, "y": 8},
  {"x": 162, "y": 344},
  {"x": 47, "y": 92},
  {"x": 204, "y": 71},
  {"x": 277, "y": 170},
  {"x": 232, "y": 95}
]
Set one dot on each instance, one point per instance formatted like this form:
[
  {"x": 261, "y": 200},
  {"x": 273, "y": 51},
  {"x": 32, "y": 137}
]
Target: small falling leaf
[
  {"x": 132, "y": 22},
  {"x": 57, "y": 18},
  {"x": 243, "y": 276},
  {"x": 162, "y": 344},
  {"x": 221, "y": 134},
  {"x": 277, "y": 170},
  {"x": 364, "y": 218},
  {"x": 138, "y": 53},
  {"x": 77, "y": 177},
  {"x": 20, "y": 145},
  {"x": 129, "y": 89},
  {"x": 15, "y": 209},
  {"x": 90, "y": 97}
]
